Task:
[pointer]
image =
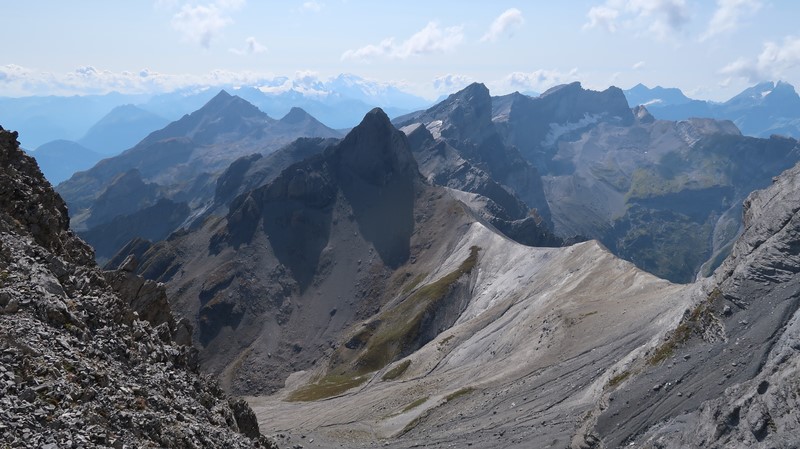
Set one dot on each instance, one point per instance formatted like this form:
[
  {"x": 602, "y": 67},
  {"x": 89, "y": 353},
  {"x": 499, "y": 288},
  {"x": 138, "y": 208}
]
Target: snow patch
[
  {"x": 558, "y": 130},
  {"x": 654, "y": 101},
  {"x": 408, "y": 129},
  {"x": 435, "y": 127}
]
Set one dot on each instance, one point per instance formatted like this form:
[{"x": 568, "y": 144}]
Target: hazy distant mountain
[
  {"x": 59, "y": 159},
  {"x": 339, "y": 102},
  {"x": 179, "y": 162},
  {"x": 118, "y": 130},
  {"x": 121, "y": 129},
  {"x": 655, "y": 97},
  {"x": 762, "y": 110},
  {"x": 43, "y": 119}
]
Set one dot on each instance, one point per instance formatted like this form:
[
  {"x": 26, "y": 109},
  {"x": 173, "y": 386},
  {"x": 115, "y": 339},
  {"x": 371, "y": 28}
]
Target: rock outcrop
[
  {"x": 90, "y": 358},
  {"x": 727, "y": 375}
]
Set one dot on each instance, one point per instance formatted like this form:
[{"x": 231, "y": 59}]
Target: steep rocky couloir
[{"x": 90, "y": 358}]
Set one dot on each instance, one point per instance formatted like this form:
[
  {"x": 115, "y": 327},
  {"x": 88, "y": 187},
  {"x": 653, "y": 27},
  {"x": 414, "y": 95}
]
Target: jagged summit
[{"x": 375, "y": 150}]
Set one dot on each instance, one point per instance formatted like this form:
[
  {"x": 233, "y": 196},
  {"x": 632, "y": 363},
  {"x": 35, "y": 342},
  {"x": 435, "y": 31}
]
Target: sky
[{"x": 711, "y": 49}]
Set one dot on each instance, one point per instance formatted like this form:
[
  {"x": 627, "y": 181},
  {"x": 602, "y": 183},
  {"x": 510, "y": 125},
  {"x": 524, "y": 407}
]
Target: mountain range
[
  {"x": 762, "y": 110},
  {"x": 178, "y": 163},
  {"x": 454, "y": 276},
  {"x": 365, "y": 305},
  {"x": 339, "y": 102},
  {"x": 568, "y": 165}
]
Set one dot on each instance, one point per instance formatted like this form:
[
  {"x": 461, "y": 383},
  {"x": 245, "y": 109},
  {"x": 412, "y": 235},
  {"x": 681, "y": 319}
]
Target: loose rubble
[{"x": 78, "y": 367}]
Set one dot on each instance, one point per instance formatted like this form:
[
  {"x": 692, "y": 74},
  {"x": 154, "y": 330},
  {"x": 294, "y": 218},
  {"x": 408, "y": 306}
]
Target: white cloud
[
  {"x": 602, "y": 17},
  {"x": 21, "y": 81},
  {"x": 728, "y": 14},
  {"x": 659, "y": 18},
  {"x": 312, "y": 6},
  {"x": 774, "y": 62},
  {"x": 429, "y": 40},
  {"x": 202, "y": 23},
  {"x": 638, "y": 66},
  {"x": 504, "y": 23},
  {"x": 251, "y": 47},
  {"x": 538, "y": 80},
  {"x": 451, "y": 82},
  {"x": 165, "y": 4}
]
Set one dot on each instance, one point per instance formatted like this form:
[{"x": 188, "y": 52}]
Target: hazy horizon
[{"x": 710, "y": 50}]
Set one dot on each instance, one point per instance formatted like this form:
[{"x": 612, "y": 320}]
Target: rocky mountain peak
[
  {"x": 296, "y": 115},
  {"x": 562, "y": 89},
  {"x": 375, "y": 150},
  {"x": 579, "y": 101},
  {"x": 641, "y": 94},
  {"x": 222, "y": 115},
  {"x": 226, "y": 104},
  {"x": 783, "y": 98},
  {"x": 469, "y": 111},
  {"x": 643, "y": 115}
]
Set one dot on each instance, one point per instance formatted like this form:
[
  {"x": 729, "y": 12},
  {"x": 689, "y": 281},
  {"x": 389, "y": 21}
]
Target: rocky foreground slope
[
  {"x": 91, "y": 358},
  {"x": 729, "y": 374}
]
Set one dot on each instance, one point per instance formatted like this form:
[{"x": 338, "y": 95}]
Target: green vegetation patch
[
  {"x": 413, "y": 284},
  {"x": 697, "y": 321},
  {"x": 458, "y": 393},
  {"x": 397, "y": 371},
  {"x": 328, "y": 386},
  {"x": 397, "y": 329},
  {"x": 618, "y": 379},
  {"x": 415, "y": 404}
]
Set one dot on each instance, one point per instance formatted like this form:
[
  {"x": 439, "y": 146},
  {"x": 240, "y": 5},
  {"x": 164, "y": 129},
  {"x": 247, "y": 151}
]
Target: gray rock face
[
  {"x": 465, "y": 151},
  {"x": 250, "y": 172},
  {"x": 730, "y": 370},
  {"x": 125, "y": 194},
  {"x": 531, "y": 123},
  {"x": 153, "y": 223},
  {"x": 78, "y": 367}
]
